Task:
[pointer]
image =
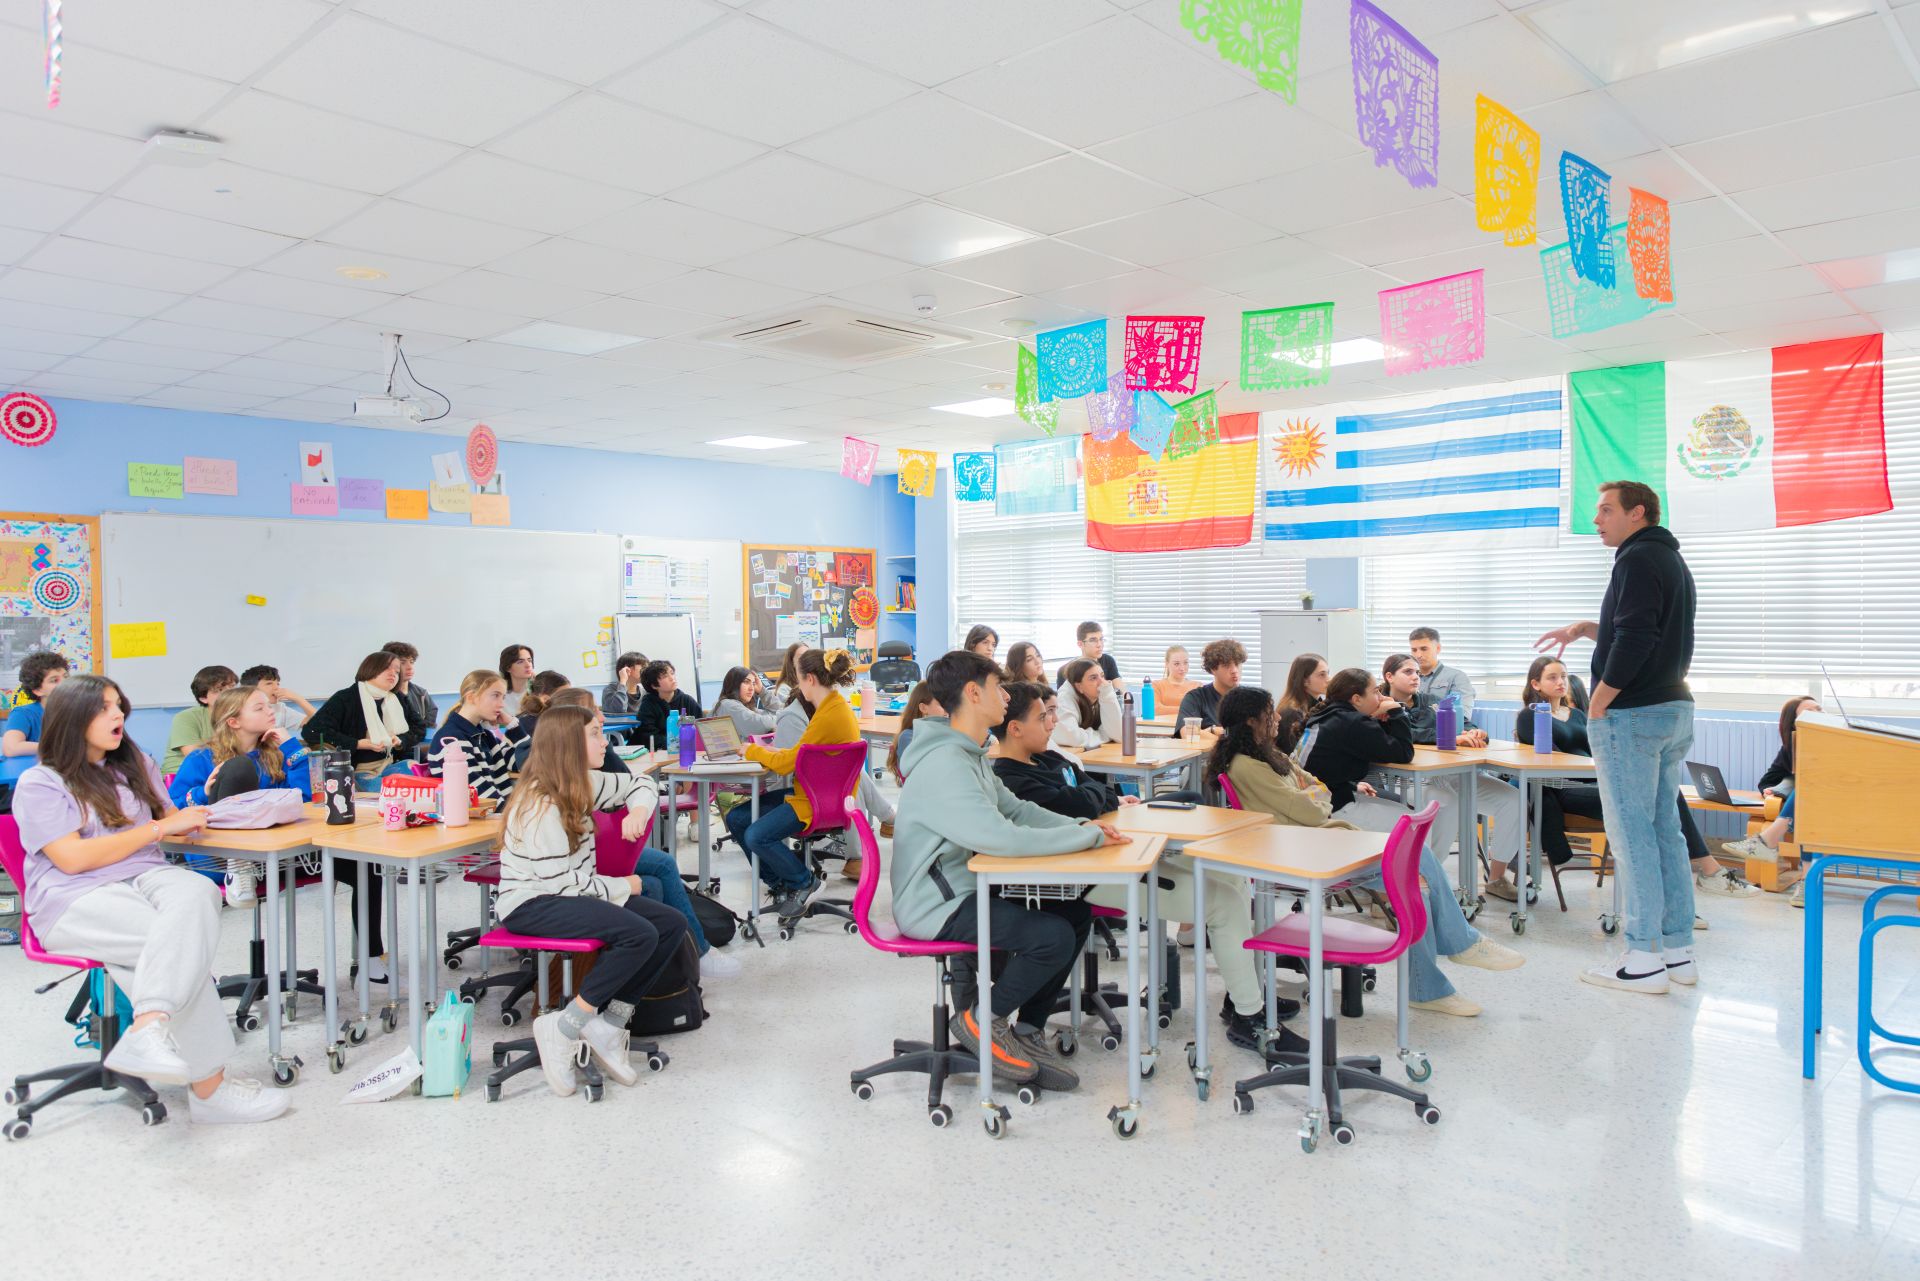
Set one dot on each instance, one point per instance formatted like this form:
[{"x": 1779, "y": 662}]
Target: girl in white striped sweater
[
  {"x": 550, "y": 888},
  {"x": 487, "y": 732}
]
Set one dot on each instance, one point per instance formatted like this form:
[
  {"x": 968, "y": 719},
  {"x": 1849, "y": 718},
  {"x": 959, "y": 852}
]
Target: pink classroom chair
[{"x": 827, "y": 774}]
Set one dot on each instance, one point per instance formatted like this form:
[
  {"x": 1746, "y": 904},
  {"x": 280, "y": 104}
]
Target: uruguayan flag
[{"x": 1467, "y": 468}]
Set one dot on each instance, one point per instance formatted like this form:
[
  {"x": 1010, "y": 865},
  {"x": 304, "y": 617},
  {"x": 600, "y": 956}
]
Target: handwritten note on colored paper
[
  {"x": 457, "y": 499},
  {"x": 406, "y": 504},
  {"x": 316, "y": 500},
  {"x": 212, "y": 476},
  {"x": 359, "y": 494},
  {"x": 136, "y": 640},
  {"x": 156, "y": 480},
  {"x": 491, "y": 509}
]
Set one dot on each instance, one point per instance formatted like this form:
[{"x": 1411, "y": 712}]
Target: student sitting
[
  {"x": 549, "y": 888},
  {"x": 1174, "y": 686},
  {"x": 621, "y": 697},
  {"x": 1566, "y": 697},
  {"x": 1306, "y": 691},
  {"x": 248, "y": 753},
  {"x": 516, "y": 668},
  {"x": 1764, "y": 845},
  {"x": 740, "y": 703},
  {"x": 1499, "y": 802},
  {"x": 786, "y": 813},
  {"x": 1777, "y": 781},
  {"x": 952, "y": 808},
  {"x": 919, "y": 703},
  {"x": 539, "y": 696},
  {"x": 776, "y": 698},
  {"x": 92, "y": 815},
  {"x": 1093, "y": 648},
  {"x": 420, "y": 705},
  {"x": 193, "y": 728},
  {"x": 1438, "y": 682},
  {"x": 1357, "y": 729},
  {"x": 1089, "y": 708},
  {"x": 290, "y": 711},
  {"x": 40, "y": 672},
  {"x": 1222, "y": 659},
  {"x": 663, "y": 696},
  {"x": 982, "y": 640},
  {"x": 370, "y": 721},
  {"x": 1024, "y": 663},
  {"x": 486, "y": 733}
]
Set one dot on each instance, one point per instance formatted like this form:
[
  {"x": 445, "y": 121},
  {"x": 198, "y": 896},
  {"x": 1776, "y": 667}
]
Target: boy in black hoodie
[{"x": 1050, "y": 779}]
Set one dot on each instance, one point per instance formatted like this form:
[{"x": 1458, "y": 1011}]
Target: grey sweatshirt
[{"x": 952, "y": 808}]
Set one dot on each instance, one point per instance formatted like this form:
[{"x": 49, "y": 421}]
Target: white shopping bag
[{"x": 388, "y": 1080}]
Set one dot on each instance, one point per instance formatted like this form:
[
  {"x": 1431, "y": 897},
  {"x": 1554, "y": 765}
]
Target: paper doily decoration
[
  {"x": 864, "y": 609},
  {"x": 56, "y": 591},
  {"x": 25, "y": 419},
  {"x": 483, "y": 453}
]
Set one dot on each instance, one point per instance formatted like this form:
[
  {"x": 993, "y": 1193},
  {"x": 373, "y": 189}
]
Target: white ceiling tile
[
  {"x": 165, "y": 333},
  {"x": 1783, "y": 334},
  {"x": 103, "y": 91},
  {"x": 14, "y": 341},
  {"x": 1122, "y": 77},
  {"x": 320, "y": 260},
  {"x": 1777, "y": 311},
  {"x": 305, "y": 351},
  {"x": 812, "y": 266},
  {"x": 1170, "y": 233},
  {"x": 93, "y": 367},
  {"x": 491, "y": 356},
  {"x": 216, "y": 402},
  {"x": 1327, "y": 195},
  {"x": 1621, "y": 38},
  {"x": 1745, "y": 256},
  {"x": 1274, "y": 263},
  {"x": 715, "y": 293},
  {"x": 583, "y": 41},
  {"x": 333, "y": 149},
  {"x": 746, "y": 78},
  {"x": 932, "y": 40},
  {"x": 627, "y": 316},
  {"x": 89, "y": 295},
  {"x": 1854, "y": 237},
  {"x": 206, "y": 36},
  {"x": 895, "y": 294},
  {"x": 585, "y": 266},
  {"x": 183, "y": 359},
  {"x": 679, "y": 233},
  {"x": 513, "y": 295},
  {"x": 518, "y": 195},
  {"x": 1134, "y": 293},
  {"x": 669, "y": 357},
  {"x": 1851, "y": 193},
  {"x": 391, "y": 226},
  {"x": 993, "y": 321},
  {"x": 417, "y": 315},
  {"x": 926, "y": 234},
  {"x": 213, "y": 314},
  {"x": 1038, "y": 267},
  {"x": 1254, "y": 136},
  {"x": 227, "y": 192},
  {"x": 45, "y": 151},
  {"x": 262, "y": 388},
  {"x": 38, "y": 206},
  {"x": 1656, "y": 171},
  {"x": 1589, "y": 124},
  {"x": 299, "y": 409},
  {"x": 1698, "y": 298},
  {"x": 132, "y": 226},
  {"x": 1811, "y": 145},
  {"x": 927, "y": 144},
  {"x": 1058, "y": 195},
  {"x": 34, "y": 314},
  {"x": 371, "y": 71},
  {"x": 262, "y": 289},
  {"x": 790, "y": 193},
  {"x": 16, "y": 244},
  {"x": 110, "y": 390},
  {"x": 1705, "y": 222},
  {"x": 609, "y": 141},
  {"x": 1501, "y": 58},
  {"x": 1411, "y": 233}
]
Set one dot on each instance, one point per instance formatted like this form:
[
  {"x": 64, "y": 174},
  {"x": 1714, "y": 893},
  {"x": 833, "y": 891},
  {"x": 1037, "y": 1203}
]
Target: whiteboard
[
  {"x": 667, "y": 636},
  {"x": 700, "y": 576},
  {"x": 338, "y": 590}
]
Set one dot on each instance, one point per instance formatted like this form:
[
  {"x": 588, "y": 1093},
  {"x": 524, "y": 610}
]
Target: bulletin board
[
  {"x": 49, "y": 591},
  {"x": 824, "y": 596}
]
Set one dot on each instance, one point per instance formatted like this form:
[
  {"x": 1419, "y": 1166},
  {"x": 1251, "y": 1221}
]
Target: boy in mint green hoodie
[{"x": 952, "y": 807}]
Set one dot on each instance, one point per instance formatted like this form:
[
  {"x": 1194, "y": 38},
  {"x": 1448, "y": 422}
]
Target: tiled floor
[{"x": 1586, "y": 1133}]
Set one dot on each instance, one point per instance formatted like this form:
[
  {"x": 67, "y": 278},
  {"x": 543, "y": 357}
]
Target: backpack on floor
[
  {"x": 717, "y": 920},
  {"x": 674, "y": 1003}
]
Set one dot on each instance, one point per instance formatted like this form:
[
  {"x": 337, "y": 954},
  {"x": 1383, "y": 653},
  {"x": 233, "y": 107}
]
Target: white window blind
[
  {"x": 1030, "y": 578},
  {"x": 1773, "y": 603}
]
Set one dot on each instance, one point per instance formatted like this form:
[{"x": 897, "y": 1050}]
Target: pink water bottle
[{"x": 453, "y": 783}]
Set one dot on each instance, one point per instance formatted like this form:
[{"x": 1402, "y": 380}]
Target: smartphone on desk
[{"x": 1171, "y": 805}]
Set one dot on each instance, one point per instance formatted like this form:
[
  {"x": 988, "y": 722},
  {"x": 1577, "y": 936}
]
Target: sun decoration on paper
[
  {"x": 864, "y": 608},
  {"x": 1300, "y": 448}
]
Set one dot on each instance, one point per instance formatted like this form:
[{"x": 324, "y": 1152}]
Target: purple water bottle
[
  {"x": 1446, "y": 726},
  {"x": 1542, "y": 730},
  {"x": 686, "y": 743}
]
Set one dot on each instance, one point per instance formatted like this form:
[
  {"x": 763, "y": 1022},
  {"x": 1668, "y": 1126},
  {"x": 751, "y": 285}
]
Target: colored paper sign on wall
[
  {"x": 406, "y": 504},
  {"x": 1163, "y": 353},
  {"x": 857, "y": 458},
  {"x": 1110, "y": 412},
  {"x": 455, "y": 499},
  {"x": 258, "y": 602},
  {"x": 446, "y": 469},
  {"x": 917, "y": 467},
  {"x": 1286, "y": 347},
  {"x": 156, "y": 480},
  {"x": 1261, "y": 35},
  {"x": 1584, "y": 195},
  {"x": 316, "y": 462},
  {"x": 1434, "y": 324},
  {"x": 17, "y": 557},
  {"x": 492, "y": 509},
  {"x": 1506, "y": 172},
  {"x": 1072, "y": 361},
  {"x": 1396, "y": 95},
  {"x": 1196, "y": 424},
  {"x": 1026, "y": 393},
  {"x": 1648, "y": 232},
  {"x": 316, "y": 500},
  {"x": 483, "y": 453},
  {"x": 212, "y": 476},
  {"x": 1152, "y": 423},
  {"x": 359, "y": 493},
  {"x": 973, "y": 477},
  {"x": 136, "y": 640}
]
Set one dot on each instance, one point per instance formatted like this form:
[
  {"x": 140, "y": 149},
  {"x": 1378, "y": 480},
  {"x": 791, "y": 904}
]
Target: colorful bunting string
[
  {"x": 1152, "y": 423},
  {"x": 1577, "y": 306},
  {"x": 1110, "y": 412},
  {"x": 1163, "y": 353},
  {"x": 857, "y": 458},
  {"x": 1434, "y": 324},
  {"x": 1584, "y": 188},
  {"x": 1026, "y": 394},
  {"x": 1072, "y": 361},
  {"x": 1506, "y": 172},
  {"x": 917, "y": 468},
  {"x": 56, "y": 45},
  {"x": 1648, "y": 248},
  {"x": 1261, "y": 35},
  {"x": 1286, "y": 347},
  {"x": 1196, "y": 424},
  {"x": 973, "y": 477},
  {"x": 1396, "y": 95},
  {"x": 1037, "y": 477}
]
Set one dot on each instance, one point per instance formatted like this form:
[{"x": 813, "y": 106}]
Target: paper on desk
[{"x": 388, "y": 1080}]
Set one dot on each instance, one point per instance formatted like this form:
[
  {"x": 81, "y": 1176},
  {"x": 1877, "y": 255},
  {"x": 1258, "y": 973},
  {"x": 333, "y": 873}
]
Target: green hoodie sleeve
[{"x": 989, "y": 819}]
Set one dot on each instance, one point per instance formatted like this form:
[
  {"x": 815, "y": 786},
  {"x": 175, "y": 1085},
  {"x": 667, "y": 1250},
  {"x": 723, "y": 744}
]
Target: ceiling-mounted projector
[{"x": 392, "y": 409}]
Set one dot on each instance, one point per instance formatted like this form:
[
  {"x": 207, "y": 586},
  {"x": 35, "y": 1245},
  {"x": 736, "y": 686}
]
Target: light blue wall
[
  {"x": 1335, "y": 583},
  {"x": 933, "y": 549}
]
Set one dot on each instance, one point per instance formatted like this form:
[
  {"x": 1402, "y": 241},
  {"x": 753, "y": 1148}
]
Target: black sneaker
[
  {"x": 788, "y": 904},
  {"x": 1283, "y": 1009},
  {"x": 1244, "y": 1029},
  {"x": 1054, "y": 1074}
]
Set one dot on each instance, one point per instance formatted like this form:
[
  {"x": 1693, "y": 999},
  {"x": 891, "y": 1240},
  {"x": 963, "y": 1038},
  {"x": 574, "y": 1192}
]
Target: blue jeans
[
  {"x": 1786, "y": 810},
  {"x": 780, "y": 868},
  {"x": 1637, "y": 754},
  {"x": 660, "y": 880},
  {"x": 368, "y": 781},
  {"x": 1447, "y": 932}
]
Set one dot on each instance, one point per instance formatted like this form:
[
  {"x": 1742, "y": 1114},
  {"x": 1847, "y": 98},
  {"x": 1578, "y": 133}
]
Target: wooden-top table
[
  {"x": 882, "y": 727},
  {"x": 1151, "y": 757},
  {"x": 1536, "y": 770},
  {"x": 1127, "y": 865}
]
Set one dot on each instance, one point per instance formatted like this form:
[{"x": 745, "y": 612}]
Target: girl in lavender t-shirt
[{"x": 92, "y": 815}]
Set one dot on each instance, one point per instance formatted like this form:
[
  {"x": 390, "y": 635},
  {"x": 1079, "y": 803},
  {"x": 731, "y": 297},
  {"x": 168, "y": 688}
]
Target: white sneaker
[
  {"x": 557, "y": 1053},
  {"x": 149, "y": 1054},
  {"x": 1634, "y": 972},
  {"x": 1680, "y": 966},
  {"x": 608, "y": 1045},
  {"x": 1452, "y": 1003},
  {"x": 716, "y": 966},
  {"x": 1727, "y": 883},
  {"x": 240, "y": 1100},
  {"x": 241, "y": 889},
  {"x": 1184, "y": 936},
  {"x": 1700, "y": 922},
  {"x": 1485, "y": 954},
  {"x": 1750, "y": 847}
]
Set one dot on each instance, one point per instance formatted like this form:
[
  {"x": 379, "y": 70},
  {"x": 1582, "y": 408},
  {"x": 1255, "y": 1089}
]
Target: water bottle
[
  {"x": 337, "y": 789},
  {"x": 1146, "y": 699},
  {"x": 1446, "y": 726},
  {"x": 453, "y": 783},
  {"x": 686, "y": 744},
  {"x": 673, "y": 730},
  {"x": 1542, "y": 730},
  {"x": 1129, "y": 726}
]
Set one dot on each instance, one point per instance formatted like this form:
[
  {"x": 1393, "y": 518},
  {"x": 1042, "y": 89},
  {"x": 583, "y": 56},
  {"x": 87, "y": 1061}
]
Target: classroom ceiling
[{"x": 656, "y": 170}]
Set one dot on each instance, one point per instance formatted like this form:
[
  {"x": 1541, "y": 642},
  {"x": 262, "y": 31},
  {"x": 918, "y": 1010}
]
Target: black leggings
[
  {"x": 1583, "y": 799},
  {"x": 240, "y": 774},
  {"x": 641, "y": 937}
]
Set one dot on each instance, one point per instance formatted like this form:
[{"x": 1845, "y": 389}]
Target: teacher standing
[{"x": 1640, "y": 725}]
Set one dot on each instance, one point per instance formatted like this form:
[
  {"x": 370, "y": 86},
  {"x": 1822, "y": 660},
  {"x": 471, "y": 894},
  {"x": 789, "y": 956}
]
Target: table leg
[
  {"x": 994, "y": 1116},
  {"x": 329, "y": 961},
  {"x": 414, "y": 1012},
  {"x": 703, "y": 796},
  {"x": 1469, "y": 835},
  {"x": 270, "y": 916},
  {"x": 1812, "y": 961},
  {"x": 1156, "y": 966},
  {"x": 362, "y": 954},
  {"x": 430, "y": 941},
  {"x": 390, "y": 902},
  {"x": 292, "y": 950},
  {"x": 1126, "y": 1118},
  {"x": 1201, "y": 1065},
  {"x": 1317, "y": 1009},
  {"x": 1529, "y": 871}
]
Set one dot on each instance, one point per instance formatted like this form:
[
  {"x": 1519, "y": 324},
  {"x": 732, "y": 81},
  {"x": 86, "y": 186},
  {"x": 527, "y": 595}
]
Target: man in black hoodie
[{"x": 1640, "y": 725}]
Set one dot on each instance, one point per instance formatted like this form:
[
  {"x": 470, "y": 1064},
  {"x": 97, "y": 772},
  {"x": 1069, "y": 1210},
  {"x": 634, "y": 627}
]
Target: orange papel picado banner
[{"x": 1206, "y": 499}]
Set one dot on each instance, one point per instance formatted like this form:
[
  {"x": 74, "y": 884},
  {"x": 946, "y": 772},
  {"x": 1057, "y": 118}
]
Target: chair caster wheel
[
  {"x": 18, "y": 1129},
  {"x": 1343, "y": 1134},
  {"x": 1609, "y": 925},
  {"x": 657, "y": 1062},
  {"x": 493, "y": 1091},
  {"x": 786, "y": 933},
  {"x": 18, "y": 1095},
  {"x": 153, "y": 1113},
  {"x": 1430, "y": 1114},
  {"x": 592, "y": 1092},
  {"x": 1147, "y": 1070},
  {"x": 1202, "y": 1089},
  {"x": 863, "y": 1090},
  {"x": 336, "y": 1061},
  {"x": 996, "y": 1126},
  {"x": 1243, "y": 1104},
  {"x": 1165, "y": 1021},
  {"x": 357, "y": 1034},
  {"x": 286, "y": 1073},
  {"x": 509, "y": 1017},
  {"x": 1109, "y": 1042},
  {"x": 451, "y": 962},
  {"x": 1193, "y": 1056},
  {"x": 1418, "y": 1069},
  {"x": 248, "y": 1022},
  {"x": 1028, "y": 1095},
  {"x": 1125, "y": 1127},
  {"x": 1067, "y": 1046},
  {"x": 389, "y": 1019},
  {"x": 940, "y": 1116},
  {"x": 1369, "y": 983},
  {"x": 851, "y": 928},
  {"x": 1519, "y": 924},
  {"x": 499, "y": 1056}
]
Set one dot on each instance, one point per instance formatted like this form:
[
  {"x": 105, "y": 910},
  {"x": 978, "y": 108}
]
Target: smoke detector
[{"x": 184, "y": 147}]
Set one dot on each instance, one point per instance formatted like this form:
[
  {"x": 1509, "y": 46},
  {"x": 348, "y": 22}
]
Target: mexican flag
[{"x": 1793, "y": 436}]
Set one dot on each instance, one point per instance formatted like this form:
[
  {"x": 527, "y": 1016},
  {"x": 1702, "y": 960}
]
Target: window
[{"x": 1773, "y": 603}]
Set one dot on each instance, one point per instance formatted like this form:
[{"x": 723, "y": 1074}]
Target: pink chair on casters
[
  {"x": 73, "y": 1077},
  {"x": 827, "y": 774},
  {"x": 1348, "y": 942}
]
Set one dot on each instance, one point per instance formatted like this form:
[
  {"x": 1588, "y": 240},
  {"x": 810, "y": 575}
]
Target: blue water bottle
[
  {"x": 687, "y": 736},
  {"x": 1446, "y": 726},
  {"x": 1542, "y": 729},
  {"x": 1146, "y": 700},
  {"x": 673, "y": 731}
]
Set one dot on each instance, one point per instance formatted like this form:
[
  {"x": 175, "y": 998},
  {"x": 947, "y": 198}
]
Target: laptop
[
  {"x": 1875, "y": 727},
  {"x": 1712, "y": 786},
  {"x": 720, "y": 737}
]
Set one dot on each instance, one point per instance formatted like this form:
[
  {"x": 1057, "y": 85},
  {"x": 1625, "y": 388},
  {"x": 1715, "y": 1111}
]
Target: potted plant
[{"x": 1306, "y": 600}]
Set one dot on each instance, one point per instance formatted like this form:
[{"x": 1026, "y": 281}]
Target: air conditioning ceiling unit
[{"x": 834, "y": 336}]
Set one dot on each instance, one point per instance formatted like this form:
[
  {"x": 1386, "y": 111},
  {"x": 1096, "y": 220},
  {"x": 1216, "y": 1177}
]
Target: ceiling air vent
[{"x": 832, "y": 336}]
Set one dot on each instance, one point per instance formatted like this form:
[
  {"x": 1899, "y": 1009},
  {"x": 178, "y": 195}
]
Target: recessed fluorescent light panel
[
  {"x": 547, "y": 336},
  {"x": 988, "y": 407},
  {"x": 757, "y": 442}
]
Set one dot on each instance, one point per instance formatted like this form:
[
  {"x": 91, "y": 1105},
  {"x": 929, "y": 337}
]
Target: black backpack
[
  {"x": 674, "y": 1003},
  {"x": 717, "y": 920}
]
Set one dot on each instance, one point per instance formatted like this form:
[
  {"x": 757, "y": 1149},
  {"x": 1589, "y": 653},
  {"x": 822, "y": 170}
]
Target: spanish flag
[{"x": 1135, "y": 504}]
